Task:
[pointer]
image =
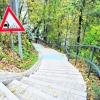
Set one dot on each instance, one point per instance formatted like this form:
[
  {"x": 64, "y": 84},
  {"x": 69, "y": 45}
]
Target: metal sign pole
[
  {"x": 12, "y": 46},
  {"x": 20, "y": 45},
  {"x": 19, "y": 33}
]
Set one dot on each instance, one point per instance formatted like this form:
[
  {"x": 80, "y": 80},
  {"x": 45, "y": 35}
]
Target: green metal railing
[
  {"x": 94, "y": 51},
  {"x": 75, "y": 52}
]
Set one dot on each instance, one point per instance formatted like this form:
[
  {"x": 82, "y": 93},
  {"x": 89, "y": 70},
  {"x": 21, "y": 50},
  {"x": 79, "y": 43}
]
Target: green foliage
[
  {"x": 2, "y": 55},
  {"x": 85, "y": 53},
  {"x": 96, "y": 89},
  {"x": 35, "y": 11},
  {"x": 93, "y": 36},
  {"x": 29, "y": 34},
  {"x": 29, "y": 59},
  {"x": 3, "y": 4},
  {"x": 29, "y": 55}
]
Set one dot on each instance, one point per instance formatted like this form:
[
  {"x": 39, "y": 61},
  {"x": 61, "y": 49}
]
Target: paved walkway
[
  {"x": 56, "y": 79},
  {"x": 55, "y": 69}
]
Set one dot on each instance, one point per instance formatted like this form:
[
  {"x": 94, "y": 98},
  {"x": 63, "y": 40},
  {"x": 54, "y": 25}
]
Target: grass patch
[{"x": 30, "y": 56}]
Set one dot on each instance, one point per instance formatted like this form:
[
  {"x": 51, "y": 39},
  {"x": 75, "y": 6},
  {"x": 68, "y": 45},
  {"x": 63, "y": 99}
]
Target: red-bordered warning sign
[{"x": 10, "y": 23}]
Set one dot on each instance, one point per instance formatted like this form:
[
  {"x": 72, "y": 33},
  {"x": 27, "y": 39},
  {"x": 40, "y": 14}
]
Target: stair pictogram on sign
[{"x": 10, "y": 23}]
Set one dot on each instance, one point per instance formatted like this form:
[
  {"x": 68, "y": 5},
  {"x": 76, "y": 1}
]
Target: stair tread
[
  {"x": 24, "y": 91},
  {"x": 73, "y": 72},
  {"x": 62, "y": 79},
  {"x": 52, "y": 88},
  {"x": 6, "y": 94},
  {"x": 74, "y": 76}
]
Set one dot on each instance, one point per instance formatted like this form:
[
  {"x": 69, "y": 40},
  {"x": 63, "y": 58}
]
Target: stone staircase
[{"x": 56, "y": 79}]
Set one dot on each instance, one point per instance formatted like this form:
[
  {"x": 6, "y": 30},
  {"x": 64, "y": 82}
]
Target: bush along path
[{"x": 56, "y": 79}]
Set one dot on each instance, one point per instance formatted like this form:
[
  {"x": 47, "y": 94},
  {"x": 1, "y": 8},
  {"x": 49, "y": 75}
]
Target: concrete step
[
  {"x": 64, "y": 83},
  {"x": 54, "y": 62},
  {"x": 45, "y": 89},
  {"x": 6, "y": 94},
  {"x": 59, "y": 63},
  {"x": 49, "y": 51},
  {"x": 66, "y": 71},
  {"x": 26, "y": 92},
  {"x": 62, "y": 79},
  {"x": 58, "y": 67},
  {"x": 72, "y": 76},
  {"x": 54, "y": 53},
  {"x": 53, "y": 89}
]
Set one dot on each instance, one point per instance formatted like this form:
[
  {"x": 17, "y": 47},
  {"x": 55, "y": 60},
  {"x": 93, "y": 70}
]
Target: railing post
[
  {"x": 77, "y": 51},
  {"x": 69, "y": 55},
  {"x": 91, "y": 59},
  {"x": 65, "y": 47},
  {"x": 60, "y": 46}
]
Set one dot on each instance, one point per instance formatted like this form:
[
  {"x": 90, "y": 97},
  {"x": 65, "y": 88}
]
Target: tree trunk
[
  {"x": 79, "y": 28},
  {"x": 80, "y": 22}
]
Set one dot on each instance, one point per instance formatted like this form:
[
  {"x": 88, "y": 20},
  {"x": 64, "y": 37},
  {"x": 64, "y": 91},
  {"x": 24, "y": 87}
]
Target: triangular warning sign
[{"x": 10, "y": 23}]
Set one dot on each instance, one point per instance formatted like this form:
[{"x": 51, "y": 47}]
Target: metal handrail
[
  {"x": 66, "y": 49},
  {"x": 95, "y": 66},
  {"x": 90, "y": 61},
  {"x": 84, "y": 45}
]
